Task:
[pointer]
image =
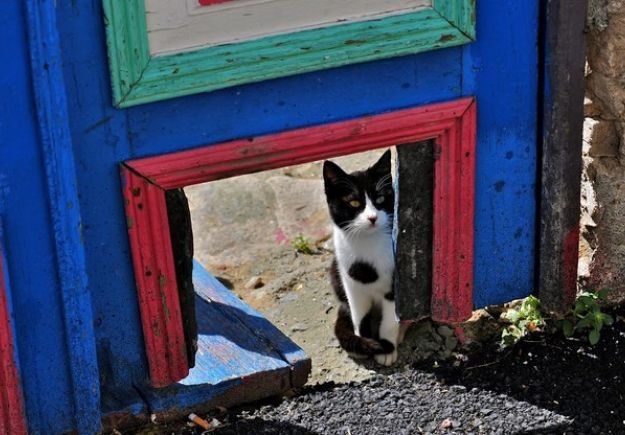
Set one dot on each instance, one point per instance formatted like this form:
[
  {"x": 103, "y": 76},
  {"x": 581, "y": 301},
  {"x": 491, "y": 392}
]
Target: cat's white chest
[{"x": 374, "y": 249}]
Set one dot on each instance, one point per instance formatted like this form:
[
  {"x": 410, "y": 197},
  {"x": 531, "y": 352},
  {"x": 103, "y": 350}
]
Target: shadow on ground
[
  {"x": 566, "y": 376},
  {"x": 260, "y": 427}
]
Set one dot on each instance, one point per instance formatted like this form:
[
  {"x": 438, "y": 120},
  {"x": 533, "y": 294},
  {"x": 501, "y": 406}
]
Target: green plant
[
  {"x": 302, "y": 245},
  {"x": 587, "y": 316},
  {"x": 522, "y": 321}
]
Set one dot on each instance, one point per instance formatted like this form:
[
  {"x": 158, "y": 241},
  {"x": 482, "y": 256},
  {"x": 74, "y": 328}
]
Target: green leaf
[
  {"x": 301, "y": 244},
  {"x": 593, "y": 337},
  {"x": 527, "y": 318},
  {"x": 584, "y": 323},
  {"x": 607, "y": 319},
  {"x": 567, "y": 328},
  {"x": 530, "y": 306},
  {"x": 585, "y": 301},
  {"x": 602, "y": 294},
  {"x": 598, "y": 324}
]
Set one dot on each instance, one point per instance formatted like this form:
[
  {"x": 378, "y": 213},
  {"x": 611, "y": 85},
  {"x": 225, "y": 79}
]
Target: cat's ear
[
  {"x": 383, "y": 165},
  {"x": 332, "y": 172}
]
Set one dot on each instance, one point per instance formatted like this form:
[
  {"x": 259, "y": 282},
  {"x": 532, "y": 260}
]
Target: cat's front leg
[
  {"x": 359, "y": 307},
  {"x": 389, "y": 332}
]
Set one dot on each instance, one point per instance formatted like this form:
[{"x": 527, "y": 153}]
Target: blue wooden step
[{"x": 241, "y": 356}]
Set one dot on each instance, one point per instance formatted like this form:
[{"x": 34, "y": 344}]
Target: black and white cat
[{"x": 361, "y": 206}]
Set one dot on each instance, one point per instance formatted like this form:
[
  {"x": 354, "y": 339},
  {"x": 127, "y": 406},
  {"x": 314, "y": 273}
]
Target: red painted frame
[
  {"x": 453, "y": 127},
  {"x": 12, "y": 419}
]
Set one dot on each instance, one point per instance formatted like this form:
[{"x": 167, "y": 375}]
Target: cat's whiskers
[
  {"x": 351, "y": 230},
  {"x": 383, "y": 181}
]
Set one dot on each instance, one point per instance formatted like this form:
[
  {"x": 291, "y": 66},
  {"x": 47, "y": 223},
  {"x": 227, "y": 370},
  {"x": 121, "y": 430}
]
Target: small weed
[
  {"x": 302, "y": 245},
  {"x": 522, "y": 321},
  {"x": 587, "y": 316}
]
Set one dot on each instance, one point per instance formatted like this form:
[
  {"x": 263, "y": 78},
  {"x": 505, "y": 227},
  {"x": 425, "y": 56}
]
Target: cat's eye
[
  {"x": 379, "y": 200},
  {"x": 354, "y": 203}
]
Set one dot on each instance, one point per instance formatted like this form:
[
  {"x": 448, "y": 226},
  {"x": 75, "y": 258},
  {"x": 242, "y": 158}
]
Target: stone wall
[{"x": 603, "y": 190}]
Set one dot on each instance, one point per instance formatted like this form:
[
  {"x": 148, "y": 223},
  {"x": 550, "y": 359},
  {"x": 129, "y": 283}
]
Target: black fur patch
[
  {"x": 387, "y": 346},
  {"x": 363, "y": 272},
  {"x": 366, "y": 326},
  {"x": 344, "y": 331},
  {"x": 370, "y": 324},
  {"x": 335, "y": 280},
  {"x": 390, "y": 296}
]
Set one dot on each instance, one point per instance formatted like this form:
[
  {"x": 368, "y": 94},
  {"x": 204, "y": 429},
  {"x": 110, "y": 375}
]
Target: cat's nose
[{"x": 372, "y": 219}]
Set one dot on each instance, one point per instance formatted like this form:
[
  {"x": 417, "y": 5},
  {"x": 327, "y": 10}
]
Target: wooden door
[{"x": 92, "y": 93}]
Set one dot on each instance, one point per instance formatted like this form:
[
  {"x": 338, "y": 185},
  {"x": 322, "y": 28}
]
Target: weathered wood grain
[
  {"x": 242, "y": 357},
  {"x": 460, "y": 14},
  {"x": 138, "y": 78},
  {"x": 501, "y": 70},
  {"x": 174, "y": 27},
  {"x": 155, "y": 277},
  {"x": 561, "y": 160},
  {"x": 414, "y": 216},
  {"x": 63, "y": 206},
  {"x": 128, "y": 48},
  {"x": 212, "y": 290},
  {"x": 237, "y": 157},
  {"x": 454, "y": 207}
]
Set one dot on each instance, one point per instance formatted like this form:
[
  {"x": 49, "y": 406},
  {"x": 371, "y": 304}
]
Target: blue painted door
[{"x": 499, "y": 70}]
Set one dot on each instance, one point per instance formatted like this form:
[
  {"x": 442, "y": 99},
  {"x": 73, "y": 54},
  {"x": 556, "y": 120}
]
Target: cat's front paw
[{"x": 386, "y": 359}]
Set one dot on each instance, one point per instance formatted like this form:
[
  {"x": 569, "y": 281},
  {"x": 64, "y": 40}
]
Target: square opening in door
[
  {"x": 268, "y": 237},
  {"x": 231, "y": 329}
]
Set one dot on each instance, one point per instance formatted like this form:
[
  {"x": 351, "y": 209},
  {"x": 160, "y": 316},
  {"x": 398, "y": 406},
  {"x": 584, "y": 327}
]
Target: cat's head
[{"x": 361, "y": 202}]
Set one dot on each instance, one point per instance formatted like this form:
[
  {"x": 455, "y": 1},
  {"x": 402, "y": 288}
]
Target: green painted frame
[{"x": 139, "y": 78}]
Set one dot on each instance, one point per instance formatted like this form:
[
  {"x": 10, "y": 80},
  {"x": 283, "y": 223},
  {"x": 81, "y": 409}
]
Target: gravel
[{"x": 413, "y": 402}]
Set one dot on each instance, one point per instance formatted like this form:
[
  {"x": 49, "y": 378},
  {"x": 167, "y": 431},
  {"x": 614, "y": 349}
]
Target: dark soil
[
  {"x": 545, "y": 384},
  {"x": 566, "y": 376}
]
